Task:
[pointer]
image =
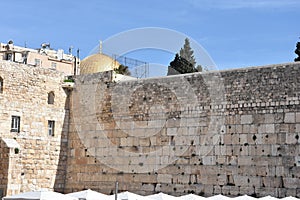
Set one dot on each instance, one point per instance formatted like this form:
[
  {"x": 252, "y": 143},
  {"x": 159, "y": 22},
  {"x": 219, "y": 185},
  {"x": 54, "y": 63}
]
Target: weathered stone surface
[
  {"x": 232, "y": 132},
  {"x": 250, "y": 153}
]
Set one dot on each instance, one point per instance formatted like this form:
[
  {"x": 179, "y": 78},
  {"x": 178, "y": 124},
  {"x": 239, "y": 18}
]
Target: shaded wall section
[
  {"x": 231, "y": 132},
  {"x": 4, "y": 165}
]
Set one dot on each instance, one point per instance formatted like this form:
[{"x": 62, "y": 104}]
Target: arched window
[
  {"x": 1, "y": 84},
  {"x": 51, "y": 97}
]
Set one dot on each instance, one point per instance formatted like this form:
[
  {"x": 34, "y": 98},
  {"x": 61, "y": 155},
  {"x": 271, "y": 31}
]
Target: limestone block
[
  {"x": 220, "y": 150},
  {"x": 144, "y": 142},
  {"x": 172, "y": 131},
  {"x": 258, "y": 119},
  {"x": 270, "y": 128},
  {"x": 297, "y": 117},
  {"x": 246, "y": 119},
  {"x": 239, "y": 128},
  {"x": 269, "y": 118},
  {"x": 232, "y": 160},
  {"x": 289, "y": 118},
  {"x": 243, "y": 138},
  {"x": 222, "y": 179},
  {"x": 164, "y": 178},
  {"x": 230, "y": 190},
  {"x": 272, "y": 182},
  {"x": 147, "y": 187},
  {"x": 209, "y": 160},
  {"x": 265, "y": 191},
  {"x": 245, "y": 160},
  {"x": 245, "y": 190},
  {"x": 209, "y": 180},
  {"x": 291, "y": 182},
  {"x": 291, "y": 138}
]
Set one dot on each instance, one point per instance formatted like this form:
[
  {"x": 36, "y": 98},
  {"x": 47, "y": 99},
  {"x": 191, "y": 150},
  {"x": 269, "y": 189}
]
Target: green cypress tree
[
  {"x": 186, "y": 52},
  {"x": 184, "y": 62}
]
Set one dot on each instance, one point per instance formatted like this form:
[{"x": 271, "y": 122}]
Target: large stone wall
[
  {"x": 39, "y": 159},
  {"x": 231, "y": 132}
]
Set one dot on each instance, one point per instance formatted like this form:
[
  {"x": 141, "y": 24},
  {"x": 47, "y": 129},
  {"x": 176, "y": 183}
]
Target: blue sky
[{"x": 235, "y": 33}]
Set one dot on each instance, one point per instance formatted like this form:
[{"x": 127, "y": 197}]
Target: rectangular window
[
  {"x": 9, "y": 56},
  {"x": 37, "y": 62},
  {"x": 53, "y": 65},
  {"x": 51, "y": 125},
  {"x": 15, "y": 124}
]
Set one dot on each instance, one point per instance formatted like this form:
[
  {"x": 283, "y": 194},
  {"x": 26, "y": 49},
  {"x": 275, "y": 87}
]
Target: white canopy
[
  {"x": 128, "y": 196},
  {"x": 39, "y": 195},
  {"x": 88, "y": 195},
  {"x": 289, "y": 198},
  {"x": 162, "y": 196},
  {"x": 192, "y": 197},
  {"x": 244, "y": 197},
  {"x": 218, "y": 197},
  {"x": 268, "y": 198}
]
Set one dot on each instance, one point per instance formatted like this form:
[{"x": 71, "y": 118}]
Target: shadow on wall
[
  {"x": 4, "y": 165},
  {"x": 60, "y": 178}
]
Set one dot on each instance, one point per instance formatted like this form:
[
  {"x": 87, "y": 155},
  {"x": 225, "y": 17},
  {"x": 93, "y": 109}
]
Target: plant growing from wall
[{"x": 122, "y": 69}]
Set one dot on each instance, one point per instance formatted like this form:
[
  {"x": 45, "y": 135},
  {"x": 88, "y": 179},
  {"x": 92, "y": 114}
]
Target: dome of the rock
[{"x": 98, "y": 63}]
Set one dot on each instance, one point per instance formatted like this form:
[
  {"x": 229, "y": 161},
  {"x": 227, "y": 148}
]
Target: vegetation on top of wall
[
  {"x": 122, "y": 69},
  {"x": 69, "y": 79}
]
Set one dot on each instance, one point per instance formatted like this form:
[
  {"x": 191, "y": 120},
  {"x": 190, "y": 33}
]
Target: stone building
[
  {"x": 45, "y": 57},
  {"x": 230, "y": 132},
  {"x": 34, "y": 125}
]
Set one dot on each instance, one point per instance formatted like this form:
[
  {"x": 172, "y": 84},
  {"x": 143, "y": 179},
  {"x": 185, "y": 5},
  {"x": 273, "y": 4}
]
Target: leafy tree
[
  {"x": 186, "y": 52},
  {"x": 184, "y": 62},
  {"x": 122, "y": 69},
  {"x": 180, "y": 66},
  {"x": 297, "y": 51},
  {"x": 199, "y": 68}
]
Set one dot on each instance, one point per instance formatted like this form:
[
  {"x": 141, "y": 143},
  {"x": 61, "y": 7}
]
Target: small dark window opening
[
  {"x": 51, "y": 125},
  {"x": 51, "y": 98},
  {"x": 9, "y": 56},
  {"x": 17, "y": 150},
  {"x": 15, "y": 124},
  {"x": 1, "y": 85}
]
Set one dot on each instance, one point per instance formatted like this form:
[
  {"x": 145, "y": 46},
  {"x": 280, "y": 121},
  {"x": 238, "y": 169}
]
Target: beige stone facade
[
  {"x": 43, "y": 57},
  {"x": 231, "y": 132},
  {"x": 35, "y": 162}
]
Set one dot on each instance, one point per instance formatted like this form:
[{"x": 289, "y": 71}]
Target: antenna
[
  {"x": 70, "y": 50},
  {"x": 100, "y": 46}
]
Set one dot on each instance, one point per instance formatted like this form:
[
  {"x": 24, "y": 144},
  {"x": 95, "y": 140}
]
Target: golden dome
[{"x": 98, "y": 63}]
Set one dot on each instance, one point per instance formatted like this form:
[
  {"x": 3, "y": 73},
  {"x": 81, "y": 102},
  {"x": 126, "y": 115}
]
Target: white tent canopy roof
[
  {"x": 162, "y": 196},
  {"x": 93, "y": 195},
  {"x": 88, "y": 195},
  {"x": 39, "y": 195},
  {"x": 128, "y": 196},
  {"x": 192, "y": 197}
]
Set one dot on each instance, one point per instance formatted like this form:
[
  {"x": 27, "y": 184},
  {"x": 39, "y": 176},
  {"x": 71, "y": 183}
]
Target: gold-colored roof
[{"x": 98, "y": 63}]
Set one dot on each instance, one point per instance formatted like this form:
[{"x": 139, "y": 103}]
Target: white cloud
[{"x": 241, "y": 4}]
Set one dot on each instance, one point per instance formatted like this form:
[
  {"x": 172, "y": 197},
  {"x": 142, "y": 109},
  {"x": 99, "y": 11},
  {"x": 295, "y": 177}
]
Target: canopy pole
[{"x": 116, "y": 190}]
